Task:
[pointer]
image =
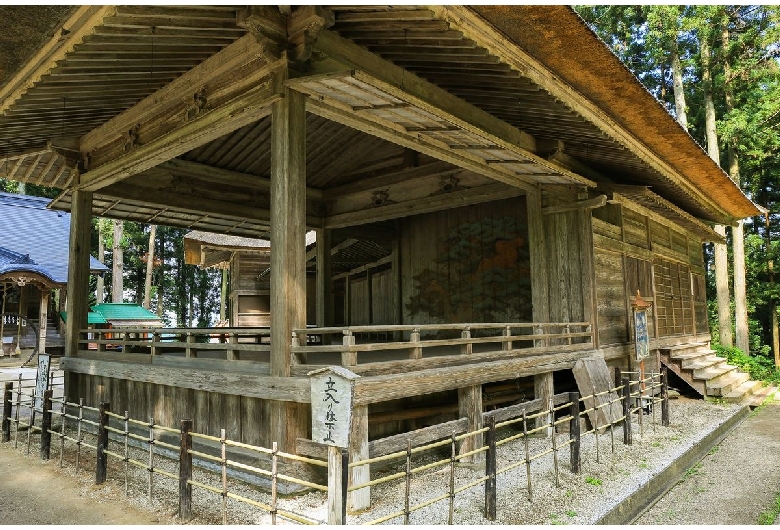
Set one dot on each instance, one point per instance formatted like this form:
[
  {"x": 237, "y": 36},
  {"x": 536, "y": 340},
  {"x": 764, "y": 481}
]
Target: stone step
[
  {"x": 692, "y": 355},
  {"x": 702, "y": 362},
  {"x": 682, "y": 349},
  {"x": 759, "y": 396},
  {"x": 744, "y": 391},
  {"x": 723, "y": 385},
  {"x": 713, "y": 371}
]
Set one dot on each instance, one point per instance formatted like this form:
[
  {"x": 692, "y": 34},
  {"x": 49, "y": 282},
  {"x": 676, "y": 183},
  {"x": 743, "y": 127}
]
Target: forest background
[{"x": 716, "y": 69}]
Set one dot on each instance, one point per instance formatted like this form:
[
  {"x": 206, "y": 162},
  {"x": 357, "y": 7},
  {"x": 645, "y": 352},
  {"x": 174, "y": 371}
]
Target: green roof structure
[
  {"x": 92, "y": 317},
  {"x": 127, "y": 315}
]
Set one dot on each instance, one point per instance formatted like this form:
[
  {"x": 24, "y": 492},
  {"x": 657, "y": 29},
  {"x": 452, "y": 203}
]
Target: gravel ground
[{"x": 579, "y": 499}]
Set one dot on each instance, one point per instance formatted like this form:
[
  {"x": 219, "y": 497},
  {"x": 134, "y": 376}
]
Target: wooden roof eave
[
  {"x": 645, "y": 202},
  {"x": 586, "y": 78}
]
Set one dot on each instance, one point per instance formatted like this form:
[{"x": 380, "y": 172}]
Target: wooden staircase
[{"x": 711, "y": 376}]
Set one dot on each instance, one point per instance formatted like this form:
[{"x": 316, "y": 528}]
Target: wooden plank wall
[
  {"x": 662, "y": 261},
  {"x": 468, "y": 264},
  {"x": 244, "y": 419},
  {"x": 566, "y": 251}
]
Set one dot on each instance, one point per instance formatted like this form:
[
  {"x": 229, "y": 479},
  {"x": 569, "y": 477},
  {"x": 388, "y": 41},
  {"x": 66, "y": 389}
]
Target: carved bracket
[
  {"x": 304, "y": 27},
  {"x": 196, "y": 104},
  {"x": 448, "y": 184},
  {"x": 380, "y": 197},
  {"x": 131, "y": 138}
]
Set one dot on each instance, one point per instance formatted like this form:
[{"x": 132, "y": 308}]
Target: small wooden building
[{"x": 521, "y": 185}]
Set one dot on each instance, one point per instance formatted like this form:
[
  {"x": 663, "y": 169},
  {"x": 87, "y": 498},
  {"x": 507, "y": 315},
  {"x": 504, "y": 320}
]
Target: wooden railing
[
  {"x": 356, "y": 344},
  {"x": 422, "y": 340},
  {"x": 238, "y": 343}
]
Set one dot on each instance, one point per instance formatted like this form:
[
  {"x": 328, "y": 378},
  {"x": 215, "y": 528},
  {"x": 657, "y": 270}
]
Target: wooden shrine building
[
  {"x": 33, "y": 265},
  {"x": 521, "y": 183}
]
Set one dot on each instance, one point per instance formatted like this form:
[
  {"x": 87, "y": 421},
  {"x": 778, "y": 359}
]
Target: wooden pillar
[
  {"x": 288, "y": 252},
  {"x": 23, "y": 297},
  {"x": 77, "y": 303},
  {"x": 61, "y": 298},
  {"x": 540, "y": 281},
  {"x": 470, "y": 407},
  {"x": 43, "y": 317},
  {"x": 223, "y": 296},
  {"x": 324, "y": 279},
  {"x": 369, "y": 296},
  {"x": 588, "y": 272},
  {"x": 358, "y": 450},
  {"x": 544, "y": 389},
  {"x": 398, "y": 311}
]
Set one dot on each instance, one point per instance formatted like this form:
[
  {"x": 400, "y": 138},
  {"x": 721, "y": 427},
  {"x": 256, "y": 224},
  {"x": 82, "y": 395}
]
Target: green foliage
[
  {"x": 760, "y": 366},
  {"x": 593, "y": 481},
  {"x": 693, "y": 470},
  {"x": 769, "y": 516}
]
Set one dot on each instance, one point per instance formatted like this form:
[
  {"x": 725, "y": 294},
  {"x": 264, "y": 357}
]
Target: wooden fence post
[
  {"x": 185, "y": 471},
  {"x": 8, "y": 398},
  {"x": 46, "y": 425},
  {"x": 664, "y": 396},
  {"x": 574, "y": 431},
  {"x": 337, "y": 478},
  {"x": 626, "y": 411},
  {"x": 490, "y": 469},
  {"x": 102, "y": 444}
]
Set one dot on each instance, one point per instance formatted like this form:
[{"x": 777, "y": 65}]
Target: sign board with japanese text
[
  {"x": 41, "y": 379},
  {"x": 642, "y": 337},
  {"x": 331, "y": 405},
  {"x": 640, "y": 308}
]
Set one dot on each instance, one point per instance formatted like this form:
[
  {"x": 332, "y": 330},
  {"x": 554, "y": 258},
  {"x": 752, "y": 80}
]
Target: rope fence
[{"x": 235, "y": 472}]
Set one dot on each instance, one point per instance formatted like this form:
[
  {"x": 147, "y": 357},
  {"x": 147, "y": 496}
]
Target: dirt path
[
  {"x": 734, "y": 484},
  {"x": 35, "y": 492}
]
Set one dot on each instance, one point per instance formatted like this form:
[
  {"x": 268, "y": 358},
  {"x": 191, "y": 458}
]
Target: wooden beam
[
  {"x": 227, "y": 91},
  {"x": 238, "y": 382},
  {"x": 587, "y": 204},
  {"x": 381, "y": 388},
  {"x": 476, "y": 195},
  {"x": 178, "y": 166},
  {"x": 310, "y": 255},
  {"x": 192, "y": 203},
  {"x": 83, "y": 22},
  {"x": 397, "y": 189},
  {"x": 434, "y": 169}
]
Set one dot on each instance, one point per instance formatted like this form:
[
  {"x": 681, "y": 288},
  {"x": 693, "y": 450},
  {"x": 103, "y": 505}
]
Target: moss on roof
[{"x": 22, "y": 30}]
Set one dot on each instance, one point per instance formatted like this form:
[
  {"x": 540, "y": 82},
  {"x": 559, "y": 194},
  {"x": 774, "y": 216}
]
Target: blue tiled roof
[{"x": 34, "y": 238}]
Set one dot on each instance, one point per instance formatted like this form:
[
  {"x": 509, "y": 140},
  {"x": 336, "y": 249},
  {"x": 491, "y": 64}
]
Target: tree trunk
[
  {"x": 149, "y": 268},
  {"x": 679, "y": 94},
  {"x": 161, "y": 282},
  {"x": 721, "y": 252},
  {"x": 117, "y": 284},
  {"x": 100, "y": 294},
  {"x": 738, "y": 233},
  {"x": 772, "y": 302}
]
